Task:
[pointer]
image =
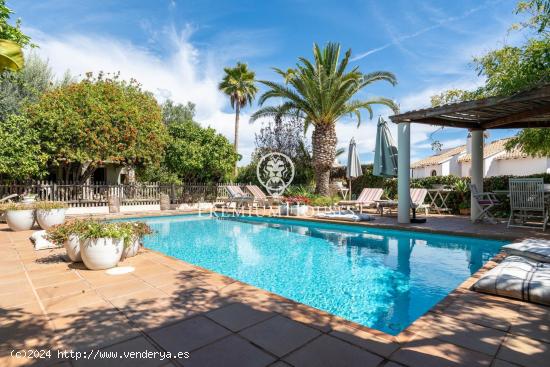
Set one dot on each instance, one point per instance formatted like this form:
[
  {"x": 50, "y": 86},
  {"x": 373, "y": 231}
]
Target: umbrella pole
[{"x": 349, "y": 188}]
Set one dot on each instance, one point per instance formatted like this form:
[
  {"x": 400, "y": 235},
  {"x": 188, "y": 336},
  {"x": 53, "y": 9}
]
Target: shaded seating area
[
  {"x": 484, "y": 202},
  {"x": 527, "y": 203},
  {"x": 527, "y": 109}
]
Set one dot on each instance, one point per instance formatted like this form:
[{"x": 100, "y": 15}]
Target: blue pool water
[{"x": 384, "y": 279}]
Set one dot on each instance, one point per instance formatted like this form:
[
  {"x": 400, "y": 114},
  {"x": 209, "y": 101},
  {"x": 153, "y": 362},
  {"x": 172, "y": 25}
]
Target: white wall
[
  {"x": 522, "y": 166},
  {"x": 426, "y": 171},
  {"x": 514, "y": 167}
]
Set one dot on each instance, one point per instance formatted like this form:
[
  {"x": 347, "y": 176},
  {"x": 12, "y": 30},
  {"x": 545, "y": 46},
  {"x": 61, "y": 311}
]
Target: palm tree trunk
[
  {"x": 236, "y": 140},
  {"x": 324, "y": 151}
]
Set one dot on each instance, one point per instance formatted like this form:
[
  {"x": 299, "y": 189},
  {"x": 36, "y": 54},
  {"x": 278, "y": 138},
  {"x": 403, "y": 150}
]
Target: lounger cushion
[
  {"x": 346, "y": 216},
  {"x": 536, "y": 249},
  {"x": 518, "y": 277}
]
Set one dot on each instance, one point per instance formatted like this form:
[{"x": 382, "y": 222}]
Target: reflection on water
[{"x": 380, "y": 278}]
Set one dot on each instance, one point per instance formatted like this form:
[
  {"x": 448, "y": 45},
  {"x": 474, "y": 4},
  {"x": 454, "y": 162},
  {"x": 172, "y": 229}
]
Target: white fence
[{"x": 94, "y": 195}]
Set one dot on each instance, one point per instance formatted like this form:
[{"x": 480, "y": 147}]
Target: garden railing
[{"x": 97, "y": 194}]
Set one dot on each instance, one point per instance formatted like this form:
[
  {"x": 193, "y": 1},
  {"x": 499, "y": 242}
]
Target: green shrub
[{"x": 50, "y": 205}]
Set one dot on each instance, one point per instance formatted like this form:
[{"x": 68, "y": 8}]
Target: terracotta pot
[
  {"x": 465, "y": 211},
  {"x": 101, "y": 253}
]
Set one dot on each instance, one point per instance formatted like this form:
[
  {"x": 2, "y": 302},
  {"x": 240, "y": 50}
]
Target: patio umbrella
[
  {"x": 353, "y": 168},
  {"x": 385, "y": 153}
]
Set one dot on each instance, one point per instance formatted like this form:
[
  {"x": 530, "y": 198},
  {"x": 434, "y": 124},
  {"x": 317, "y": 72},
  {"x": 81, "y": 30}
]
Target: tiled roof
[
  {"x": 439, "y": 158},
  {"x": 489, "y": 150},
  {"x": 513, "y": 154}
]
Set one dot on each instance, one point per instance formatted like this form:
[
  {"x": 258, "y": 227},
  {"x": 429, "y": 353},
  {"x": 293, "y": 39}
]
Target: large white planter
[
  {"x": 131, "y": 250},
  {"x": 299, "y": 210},
  {"x": 72, "y": 245},
  {"x": 20, "y": 220},
  {"x": 101, "y": 253},
  {"x": 47, "y": 218}
]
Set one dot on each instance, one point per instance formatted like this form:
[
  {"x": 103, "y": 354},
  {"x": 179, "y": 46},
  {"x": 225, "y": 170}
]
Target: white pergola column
[
  {"x": 403, "y": 172},
  {"x": 476, "y": 173}
]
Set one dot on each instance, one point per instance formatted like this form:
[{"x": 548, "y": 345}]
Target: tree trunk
[
  {"x": 236, "y": 140},
  {"x": 324, "y": 152}
]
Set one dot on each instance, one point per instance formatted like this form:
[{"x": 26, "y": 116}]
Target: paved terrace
[{"x": 169, "y": 305}]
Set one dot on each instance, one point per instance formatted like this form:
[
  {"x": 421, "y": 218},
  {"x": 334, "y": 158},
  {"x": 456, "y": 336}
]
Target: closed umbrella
[
  {"x": 385, "y": 153},
  {"x": 353, "y": 168}
]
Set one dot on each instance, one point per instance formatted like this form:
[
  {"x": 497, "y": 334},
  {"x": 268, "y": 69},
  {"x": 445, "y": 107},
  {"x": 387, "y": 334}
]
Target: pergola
[{"x": 528, "y": 109}]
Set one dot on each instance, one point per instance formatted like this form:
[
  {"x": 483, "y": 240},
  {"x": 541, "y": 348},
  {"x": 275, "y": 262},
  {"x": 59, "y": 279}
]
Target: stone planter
[
  {"x": 101, "y": 253},
  {"x": 47, "y": 218},
  {"x": 132, "y": 249},
  {"x": 20, "y": 220},
  {"x": 298, "y": 210},
  {"x": 283, "y": 209},
  {"x": 72, "y": 246},
  {"x": 164, "y": 202}
]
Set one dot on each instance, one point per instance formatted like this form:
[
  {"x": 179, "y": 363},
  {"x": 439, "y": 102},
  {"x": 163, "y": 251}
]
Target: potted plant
[
  {"x": 464, "y": 208},
  {"x": 68, "y": 236},
  {"x": 50, "y": 213},
  {"x": 20, "y": 217},
  {"x": 139, "y": 230},
  {"x": 461, "y": 188},
  {"x": 295, "y": 205},
  {"x": 102, "y": 244}
]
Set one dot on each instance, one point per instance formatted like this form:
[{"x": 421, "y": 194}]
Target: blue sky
[{"x": 178, "y": 48}]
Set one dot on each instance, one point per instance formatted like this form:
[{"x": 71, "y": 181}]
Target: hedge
[{"x": 390, "y": 185}]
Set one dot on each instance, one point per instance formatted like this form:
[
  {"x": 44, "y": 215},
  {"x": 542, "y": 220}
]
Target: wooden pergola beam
[
  {"x": 516, "y": 117},
  {"x": 540, "y": 95}
]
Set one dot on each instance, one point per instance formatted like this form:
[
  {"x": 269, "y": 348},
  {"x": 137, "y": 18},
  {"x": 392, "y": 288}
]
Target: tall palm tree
[
  {"x": 240, "y": 85},
  {"x": 320, "y": 92}
]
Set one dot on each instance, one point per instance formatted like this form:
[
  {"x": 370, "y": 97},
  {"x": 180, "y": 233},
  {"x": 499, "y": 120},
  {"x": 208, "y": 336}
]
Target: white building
[{"x": 496, "y": 162}]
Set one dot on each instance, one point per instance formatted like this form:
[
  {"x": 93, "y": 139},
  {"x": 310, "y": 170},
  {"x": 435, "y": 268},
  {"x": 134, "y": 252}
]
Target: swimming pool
[{"x": 383, "y": 279}]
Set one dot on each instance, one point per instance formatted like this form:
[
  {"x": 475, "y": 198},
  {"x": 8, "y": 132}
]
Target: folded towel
[
  {"x": 40, "y": 242},
  {"x": 346, "y": 216}
]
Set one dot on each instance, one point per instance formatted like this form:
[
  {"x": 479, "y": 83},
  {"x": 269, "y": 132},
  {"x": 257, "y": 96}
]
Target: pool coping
[{"x": 406, "y": 335}]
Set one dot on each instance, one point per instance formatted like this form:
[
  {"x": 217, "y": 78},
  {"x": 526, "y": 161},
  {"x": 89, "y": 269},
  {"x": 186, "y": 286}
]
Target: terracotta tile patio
[{"x": 167, "y": 305}]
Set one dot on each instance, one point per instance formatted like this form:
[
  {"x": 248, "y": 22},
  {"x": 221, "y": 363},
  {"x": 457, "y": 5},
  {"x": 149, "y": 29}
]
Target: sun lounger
[
  {"x": 367, "y": 198},
  {"x": 418, "y": 196},
  {"x": 237, "y": 196},
  {"x": 260, "y": 197}
]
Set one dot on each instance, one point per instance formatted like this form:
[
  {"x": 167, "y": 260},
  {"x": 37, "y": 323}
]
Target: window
[{"x": 434, "y": 173}]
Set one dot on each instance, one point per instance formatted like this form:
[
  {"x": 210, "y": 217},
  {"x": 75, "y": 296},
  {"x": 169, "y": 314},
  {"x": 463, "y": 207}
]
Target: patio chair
[
  {"x": 237, "y": 196},
  {"x": 260, "y": 197},
  {"x": 527, "y": 201},
  {"x": 367, "y": 198},
  {"x": 418, "y": 196},
  {"x": 484, "y": 201}
]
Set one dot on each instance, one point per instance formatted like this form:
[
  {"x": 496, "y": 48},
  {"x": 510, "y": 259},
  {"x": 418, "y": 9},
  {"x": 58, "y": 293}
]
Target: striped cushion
[
  {"x": 518, "y": 277},
  {"x": 235, "y": 191},
  {"x": 256, "y": 191}
]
